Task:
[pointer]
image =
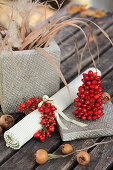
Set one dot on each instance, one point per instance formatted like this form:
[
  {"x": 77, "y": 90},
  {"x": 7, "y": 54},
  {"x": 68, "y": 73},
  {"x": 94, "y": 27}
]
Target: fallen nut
[
  {"x": 6, "y": 121},
  {"x": 106, "y": 97}
]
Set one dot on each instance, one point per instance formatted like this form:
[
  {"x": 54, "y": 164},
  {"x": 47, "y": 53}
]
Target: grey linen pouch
[
  {"x": 98, "y": 128},
  {"x": 35, "y": 76}
]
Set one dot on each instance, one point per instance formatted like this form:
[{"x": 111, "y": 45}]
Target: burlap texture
[
  {"x": 97, "y": 128},
  {"x": 36, "y": 76}
]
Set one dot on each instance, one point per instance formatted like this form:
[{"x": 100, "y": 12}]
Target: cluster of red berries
[
  {"x": 90, "y": 99},
  {"x": 48, "y": 116},
  {"x": 48, "y": 121},
  {"x": 30, "y": 106}
]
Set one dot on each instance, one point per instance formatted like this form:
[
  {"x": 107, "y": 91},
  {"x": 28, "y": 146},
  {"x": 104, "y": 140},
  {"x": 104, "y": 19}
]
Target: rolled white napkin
[{"x": 24, "y": 130}]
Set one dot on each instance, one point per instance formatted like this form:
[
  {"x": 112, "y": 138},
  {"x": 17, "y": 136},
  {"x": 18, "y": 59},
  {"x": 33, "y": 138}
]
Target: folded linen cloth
[{"x": 24, "y": 130}]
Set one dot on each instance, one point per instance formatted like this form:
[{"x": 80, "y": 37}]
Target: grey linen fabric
[
  {"x": 98, "y": 128},
  {"x": 36, "y": 76}
]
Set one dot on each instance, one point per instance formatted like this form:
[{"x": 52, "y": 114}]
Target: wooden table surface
[{"x": 101, "y": 155}]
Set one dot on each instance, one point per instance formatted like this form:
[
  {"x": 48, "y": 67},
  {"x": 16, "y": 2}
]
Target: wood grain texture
[
  {"x": 69, "y": 161},
  {"x": 23, "y": 158},
  {"x": 69, "y": 66},
  {"x": 101, "y": 157},
  {"x": 68, "y": 46}
]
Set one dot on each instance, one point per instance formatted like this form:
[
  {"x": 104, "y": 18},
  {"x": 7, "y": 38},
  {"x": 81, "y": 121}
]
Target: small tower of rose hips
[{"x": 89, "y": 100}]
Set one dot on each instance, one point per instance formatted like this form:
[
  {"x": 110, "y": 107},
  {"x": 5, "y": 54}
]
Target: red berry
[
  {"x": 95, "y": 74},
  {"x": 86, "y": 114},
  {"x": 92, "y": 78},
  {"x": 51, "y": 128},
  {"x": 90, "y": 73},
  {"x": 80, "y": 108},
  {"x": 95, "y": 109},
  {"x": 82, "y": 100},
  {"x": 83, "y": 80},
  {"x": 77, "y": 99},
  {"x": 79, "y": 88},
  {"x": 99, "y": 100},
  {"x": 42, "y": 138},
  {"x": 86, "y": 92},
  {"x": 95, "y": 113},
  {"x": 90, "y": 112},
  {"x": 47, "y": 110},
  {"x": 97, "y": 92},
  {"x": 82, "y": 96},
  {"x": 99, "y": 112},
  {"x": 92, "y": 86},
  {"x": 98, "y": 116},
  {"x": 48, "y": 134},
  {"x": 76, "y": 112},
  {"x": 97, "y": 78},
  {"x": 30, "y": 102},
  {"x": 84, "y": 105},
  {"x": 84, "y": 74},
  {"x": 23, "y": 105},
  {"x": 92, "y": 104},
  {"x": 84, "y": 110},
  {"x": 87, "y": 102},
  {"x": 88, "y": 107},
  {"x": 94, "y": 82},
  {"x": 86, "y": 78},
  {"x": 92, "y": 100},
  {"x": 96, "y": 87},
  {"x": 41, "y": 109},
  {"x": 92, "y": 95},
  {"x": 97, "y": 104},
  {"x": 86, "y": 87},
  {"x": 100, "y": 89},
  {"x": 89, "y": 117},
  {"x": 94, "y": 117},
  {"x": 91, "y": 91},
  {"x": 79, "y": 94},
  {"x": 53, "y": 108},
  {"x": 37, "y": 135},
  {"x": 99, "y": 83},
  {"x": 84, "y": 117},
  {"x": 88, "y": 83},
  {"x": 96, "y": 96},
  {"x": 79, "y": 104},
  {"x": 87, "y": 97}
]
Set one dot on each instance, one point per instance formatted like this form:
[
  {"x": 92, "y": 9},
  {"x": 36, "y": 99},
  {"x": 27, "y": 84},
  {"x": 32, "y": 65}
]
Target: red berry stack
[{"x": 89, "y": 100}]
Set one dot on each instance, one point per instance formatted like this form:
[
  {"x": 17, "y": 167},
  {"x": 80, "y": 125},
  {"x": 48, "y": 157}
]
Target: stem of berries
[
  {"x": 48, "y": 116},
  {"x": 48, "y": 121},
  {"x": 90, "y": 99}
]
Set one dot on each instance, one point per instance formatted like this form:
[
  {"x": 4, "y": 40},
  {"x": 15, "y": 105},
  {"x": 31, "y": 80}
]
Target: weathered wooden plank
[
  {"x": 23, "y": 159},
  {"x": 68, "y": 162},
  {"x": 69, "y": 66},
  {"x": 101, "y": 157},
  {"x": 68, "y": 46}
]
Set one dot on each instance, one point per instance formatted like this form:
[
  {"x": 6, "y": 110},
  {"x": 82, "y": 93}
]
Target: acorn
[
  {"x": 6, "y": 121},
  {"x": 67, "y": 149},
  {"x": 0, "y": 131},
  {"x": 106, "y": 97}
]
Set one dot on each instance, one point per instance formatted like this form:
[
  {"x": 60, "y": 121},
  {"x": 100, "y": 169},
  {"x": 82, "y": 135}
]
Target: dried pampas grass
[{"x": 24, "y": 37}]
